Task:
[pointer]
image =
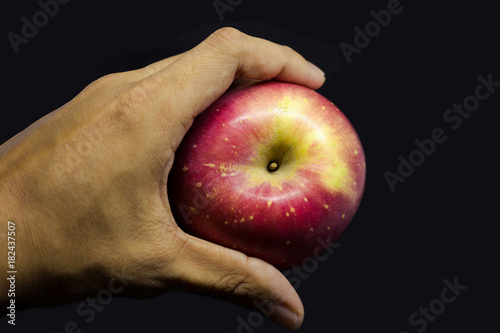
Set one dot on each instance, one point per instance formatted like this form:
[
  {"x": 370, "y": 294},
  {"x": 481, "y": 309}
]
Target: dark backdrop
[{"x": 439, "y": 224}]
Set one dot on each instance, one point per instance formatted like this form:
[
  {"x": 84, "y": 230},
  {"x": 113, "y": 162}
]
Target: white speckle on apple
[
  {"x": 305, "y": 199},
  {"x": 193, "y": 209},
  {"x": 287, "y": 242},
  {"x": 323, "y": 107},
  {"x": 184, "y": 169},
  {"x": 326, "y": 206},
  {"x": 287, "y": 214},
  {"x": 269, "y": 203},
  {"x": 312, "y": 229},
  {"x": 327, "y": 228},
  {"x": 355, "y": 183},
  {"x": 355, "y": 152},
  {"x": 208, "y": 216},
  {"x": 194, "y": 146},
  {"x": 343, "y": 215},
  {"x": 292, "y": 210},
  {"x": 198, "y": 185},
  {"x": 226, "y": 222},
  {"x": 226, "y": 139},
  {"x": 242, "y": 219},
  {"x": 210, "y": 165},
  {"x": 250, "y": 217},
  {"x": 223, "y": 174}
]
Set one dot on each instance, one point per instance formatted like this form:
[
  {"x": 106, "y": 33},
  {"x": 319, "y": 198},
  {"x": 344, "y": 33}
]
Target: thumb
[{"x": 207, "y": 268}]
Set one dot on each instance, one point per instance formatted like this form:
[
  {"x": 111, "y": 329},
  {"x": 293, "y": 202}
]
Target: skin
[{"x": 86, "y": 185}]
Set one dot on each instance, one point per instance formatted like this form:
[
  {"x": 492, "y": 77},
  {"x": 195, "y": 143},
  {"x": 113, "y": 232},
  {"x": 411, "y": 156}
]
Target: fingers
[
  {"x": 202, "y": 74},
  {"x": 224, "y": 273}
]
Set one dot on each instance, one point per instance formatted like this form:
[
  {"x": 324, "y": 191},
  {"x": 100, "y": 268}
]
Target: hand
[{"x": 86, "y": 185}]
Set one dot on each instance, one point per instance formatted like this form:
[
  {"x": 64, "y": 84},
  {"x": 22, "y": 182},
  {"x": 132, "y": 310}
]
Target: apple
[{"x": 271, "y": 169}]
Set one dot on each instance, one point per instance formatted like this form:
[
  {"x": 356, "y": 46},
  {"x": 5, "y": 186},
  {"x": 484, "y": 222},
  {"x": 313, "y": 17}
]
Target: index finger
[{"x": 205, "y": 72}]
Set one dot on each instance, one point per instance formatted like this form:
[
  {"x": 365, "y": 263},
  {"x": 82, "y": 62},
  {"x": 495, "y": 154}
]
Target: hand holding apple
[
  {"x": 89, "y": 181},
  {"x": 268, "y": 169}
]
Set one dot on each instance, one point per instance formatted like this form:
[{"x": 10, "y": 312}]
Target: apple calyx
[{"x": 273, "y": 166}]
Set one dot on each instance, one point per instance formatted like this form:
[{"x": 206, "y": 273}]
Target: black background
[{"x": 439, "y": 224}]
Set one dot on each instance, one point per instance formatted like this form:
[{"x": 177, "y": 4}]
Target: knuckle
[
  {"x": 105, "y": 81},
  {"x": 287, "y": 54},
  {"x": 132, "y": 98},
  {"x": 134, "y": 95},
  {"x": 226, "y": 37},
  {"x": 228, "y": 33},
  {"x": 102, "y": 85},
  {"x": 235, "y": 282},
  {"x": 287, "y": 50}
]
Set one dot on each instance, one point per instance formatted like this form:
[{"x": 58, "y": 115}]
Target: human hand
[{"x": 87, "y": 184}]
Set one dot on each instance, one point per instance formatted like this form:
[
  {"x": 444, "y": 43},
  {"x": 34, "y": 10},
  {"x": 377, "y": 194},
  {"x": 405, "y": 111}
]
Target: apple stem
[{"x": 272, "y": 166}]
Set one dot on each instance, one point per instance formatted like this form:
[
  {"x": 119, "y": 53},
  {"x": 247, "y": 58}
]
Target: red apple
[{"x": 270, "y": 169}]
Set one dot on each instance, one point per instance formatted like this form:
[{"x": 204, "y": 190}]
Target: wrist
[{"x": 53, "y": 262}]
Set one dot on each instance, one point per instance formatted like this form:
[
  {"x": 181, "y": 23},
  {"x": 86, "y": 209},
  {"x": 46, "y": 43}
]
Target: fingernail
[
  {"x": 286, "y": 317},
  {"x": 316, "y": 69}
]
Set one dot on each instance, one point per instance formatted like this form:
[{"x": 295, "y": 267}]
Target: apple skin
[{"x": 222, "y": 190}]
